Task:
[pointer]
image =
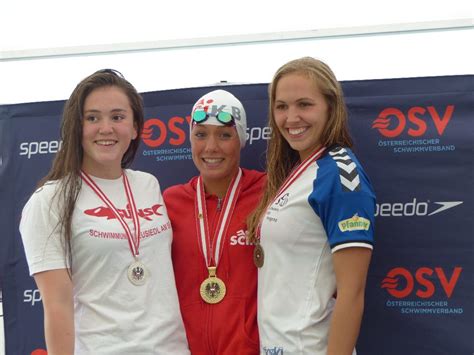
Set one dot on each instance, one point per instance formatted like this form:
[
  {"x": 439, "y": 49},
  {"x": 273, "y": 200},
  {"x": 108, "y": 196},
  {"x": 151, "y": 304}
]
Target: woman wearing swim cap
[{"x": 215, "y": 274}]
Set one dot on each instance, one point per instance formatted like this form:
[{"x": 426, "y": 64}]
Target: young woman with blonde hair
[{"x": 314, "y": 226}]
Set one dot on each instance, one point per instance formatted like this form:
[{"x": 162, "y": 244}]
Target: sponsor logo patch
[{"x": 355, "y": 223}]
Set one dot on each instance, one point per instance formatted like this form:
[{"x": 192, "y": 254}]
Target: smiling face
[
  {"x": 301, "y": 113},
  {"x": 108, "y": 128},
  {"x": 216, "y": 154}
]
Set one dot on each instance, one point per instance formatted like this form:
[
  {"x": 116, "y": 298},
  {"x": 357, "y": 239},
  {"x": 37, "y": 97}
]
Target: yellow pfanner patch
[{"x": 355, "y": 223}]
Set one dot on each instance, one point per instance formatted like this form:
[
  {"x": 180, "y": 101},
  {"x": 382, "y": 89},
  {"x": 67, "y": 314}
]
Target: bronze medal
[
  {"x": 258, "y": 255},
  {"x": 213, "y": 288}
]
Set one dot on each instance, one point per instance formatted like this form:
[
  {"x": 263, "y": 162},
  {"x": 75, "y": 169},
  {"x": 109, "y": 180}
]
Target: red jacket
[{"x": 228, "y": 327}]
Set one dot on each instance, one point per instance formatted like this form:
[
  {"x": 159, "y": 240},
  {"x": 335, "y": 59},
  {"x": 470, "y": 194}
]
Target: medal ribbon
[
  {"x": 133, "y": 242},
  {"x": 224, "y": 219},
  {"x": 295, "y": 174}
]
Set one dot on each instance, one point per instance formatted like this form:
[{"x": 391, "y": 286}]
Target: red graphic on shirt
[
  {"x": 39, "y": 352},
  {"x": 144, "y": 213}
]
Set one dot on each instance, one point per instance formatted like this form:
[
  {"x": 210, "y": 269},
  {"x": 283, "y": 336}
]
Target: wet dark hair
[{"x": 68, "y": 161}]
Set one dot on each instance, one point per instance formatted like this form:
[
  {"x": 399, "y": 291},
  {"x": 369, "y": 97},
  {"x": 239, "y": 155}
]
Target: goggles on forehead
[{"x": 200, "y": 116}]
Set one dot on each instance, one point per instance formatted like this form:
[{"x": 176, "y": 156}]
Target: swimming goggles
[{"x": 200, "y": 116}]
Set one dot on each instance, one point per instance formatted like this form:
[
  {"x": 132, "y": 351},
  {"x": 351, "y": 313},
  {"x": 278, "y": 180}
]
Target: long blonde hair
[{"x": 281, "y": 158}]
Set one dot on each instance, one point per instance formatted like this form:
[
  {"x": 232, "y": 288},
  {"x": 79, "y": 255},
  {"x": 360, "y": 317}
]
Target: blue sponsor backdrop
[{"x": 415, "y": 139}]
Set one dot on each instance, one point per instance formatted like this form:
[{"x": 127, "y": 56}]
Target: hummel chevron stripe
[{"x": 348, "y": 173}]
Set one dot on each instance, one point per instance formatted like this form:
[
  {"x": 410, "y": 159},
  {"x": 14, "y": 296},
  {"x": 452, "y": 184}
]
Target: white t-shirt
[
  {"x": 112, "y": 316},
  {"x": 329, "y": 207}
]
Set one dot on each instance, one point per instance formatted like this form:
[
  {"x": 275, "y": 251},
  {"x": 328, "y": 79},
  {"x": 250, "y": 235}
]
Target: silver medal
[{"x": 137, "y": 273}]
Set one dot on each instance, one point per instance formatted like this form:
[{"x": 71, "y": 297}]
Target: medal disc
[
  {"x": 212, "y": 290},
  {"x": 258, "y": 255},
  {"x": 137, "y": 273}
]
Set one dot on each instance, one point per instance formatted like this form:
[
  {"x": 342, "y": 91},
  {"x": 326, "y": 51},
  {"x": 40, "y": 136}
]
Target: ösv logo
[
  {"x": 413, "y": 208},
  {"x": 156, "y": 132},
  {"x": 391, "y": 122},
  {"x": 401, "y": 283}
]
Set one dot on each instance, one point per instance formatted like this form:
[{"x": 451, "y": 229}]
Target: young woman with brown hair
[{"x": 97, "y": 235}]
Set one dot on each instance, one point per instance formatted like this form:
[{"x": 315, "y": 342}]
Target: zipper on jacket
[{"x": 219, "y": 203}]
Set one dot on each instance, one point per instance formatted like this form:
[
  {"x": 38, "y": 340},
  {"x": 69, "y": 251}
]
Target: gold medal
[
  {"x": 213, "y": 288},
  {"x": 258, "y": 255},
  {"x": 137, "y": 273}
]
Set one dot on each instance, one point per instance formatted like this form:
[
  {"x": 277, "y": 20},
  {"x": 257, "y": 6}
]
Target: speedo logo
[
  {"x": 355, "y": 223},
  {"x": 414, "y": 208},
  {"x": 44, "y": 147},
  {"x": 31, "y": 296}
]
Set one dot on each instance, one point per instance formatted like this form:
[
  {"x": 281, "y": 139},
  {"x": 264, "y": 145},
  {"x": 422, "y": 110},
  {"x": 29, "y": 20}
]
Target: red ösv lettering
[
  {"x": 156, "y": 132},
  {"x": 400, "y": 282},
  {"x": 392, "y": 122}
]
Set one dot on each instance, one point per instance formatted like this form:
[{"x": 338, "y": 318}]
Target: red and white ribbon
[
  {"x": 133, "y": 241},
  {"x": 295, "y": 174},
  {"x": 211, "y": 249}
]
